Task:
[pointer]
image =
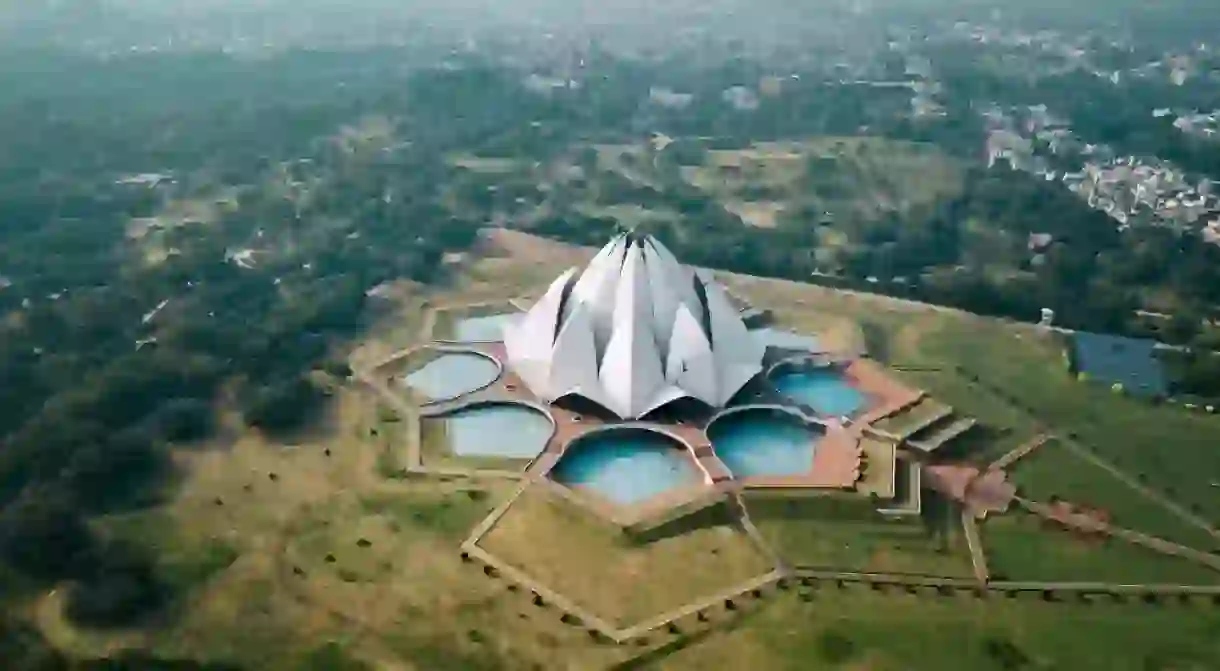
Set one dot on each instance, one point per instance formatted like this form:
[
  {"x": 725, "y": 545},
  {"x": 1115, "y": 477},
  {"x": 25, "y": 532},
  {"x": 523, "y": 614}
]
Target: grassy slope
[
  {"x": 899, "y": 632},
  {"x": 805, "y": 532},
  {"x": 594, "y": 565},
  {"x": 1054, "y": 471},
  {"x": 1021, "y": 547},
  {"x": 1174, "y": 450}
]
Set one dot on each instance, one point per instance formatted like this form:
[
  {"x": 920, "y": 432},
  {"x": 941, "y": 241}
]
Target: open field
[
  {"x": 757, "y": 214},
  {"x": 846, "y": 178},
  {"x": 1054, "y": 471},
  {"x": 1170, "y": 450},
  {"x": 803, "y": 534},
  {"x": 1022, "y": 547},
  {"x": 857, "y": 628},
  {"x": 622, "y": 580}
]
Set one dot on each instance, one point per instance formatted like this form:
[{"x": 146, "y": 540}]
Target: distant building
[
  {"x": 1039, "y": 241},
  {"x": 741, "y": 98},
  {"x": 669, "y": 98}
]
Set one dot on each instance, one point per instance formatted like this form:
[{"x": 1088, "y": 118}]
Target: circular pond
[
  {"x": 453, "y": 374},
  {"x": 626, "y": 465},
  {"x": 502, "y": 430},
  {"x": 763, "y": 442}
]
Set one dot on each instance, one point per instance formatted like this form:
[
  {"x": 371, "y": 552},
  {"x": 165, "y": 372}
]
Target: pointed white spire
[
  {"x": 574, "y": 361},
  {"x": 635, "y": 331},
  {"x": 691, "y": 364},
  {"x": 631, "y": 370},
  {"x": 596, "y": 286}
]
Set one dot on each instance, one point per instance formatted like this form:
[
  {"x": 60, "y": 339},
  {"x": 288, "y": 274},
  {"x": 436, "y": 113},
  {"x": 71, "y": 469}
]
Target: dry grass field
[{"x": 621, "y": 580}]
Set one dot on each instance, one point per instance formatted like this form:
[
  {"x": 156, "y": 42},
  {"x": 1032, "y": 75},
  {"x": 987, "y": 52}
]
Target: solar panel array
[{"x": 1110, "y": 359}]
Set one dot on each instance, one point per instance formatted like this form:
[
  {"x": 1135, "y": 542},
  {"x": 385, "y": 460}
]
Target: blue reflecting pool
[
  {"x": 823, "y": 389},
  {"x": 505, "y": 431},
  {"x": 489, "y": 328},
  {"x": 453, "y": 374},
  {"x": 626, "y": 465},
  {"x": 764, "y": 443}
]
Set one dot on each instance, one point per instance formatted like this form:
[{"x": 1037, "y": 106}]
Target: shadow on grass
[{"x": 717, "y": 515}]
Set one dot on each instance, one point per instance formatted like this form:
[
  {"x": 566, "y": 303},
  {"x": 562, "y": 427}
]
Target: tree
[
  {"x": 184, "y": 420},
  {"x": 284, "y": 407},
  {"x": 119, "y": 588},
  {"x": 42, "y": 534}
]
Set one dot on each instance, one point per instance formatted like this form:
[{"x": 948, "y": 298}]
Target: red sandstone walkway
[{"x": 1022, "y": 451}]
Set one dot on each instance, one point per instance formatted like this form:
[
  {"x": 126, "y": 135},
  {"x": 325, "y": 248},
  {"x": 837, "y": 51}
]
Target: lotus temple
[{"x": 642, "y": 390}]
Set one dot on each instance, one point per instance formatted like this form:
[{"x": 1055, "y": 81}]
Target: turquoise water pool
[
  {"x": 626, "y": 466},
  {"x": 825, "y": 390},
  {"x": 489, "y": 328},
  {"x": 505, "y": 431},
  {"x": 764, "y": 443},
  {"x": 453, "y": 374}
]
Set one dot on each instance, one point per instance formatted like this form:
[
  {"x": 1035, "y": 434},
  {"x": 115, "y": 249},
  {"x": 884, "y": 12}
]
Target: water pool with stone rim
[
  {"x": 452, "y": 374},
  {"x": 489, "y": 328},
  {"x": 626, "y": 466},
  {"x": 755, "y": 443},
  {"x": 504, "y": 431},
  {"x": 823, "y": 389}
]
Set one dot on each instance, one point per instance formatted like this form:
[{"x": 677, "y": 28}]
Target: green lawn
[
  {"x": 857, "y": 629},
  {"x": 806, "y": 533},
  {"x": 1175, "y": 451},
  {"x": 1022, "y": 547},
  {"x": 1055, "y": 471}
]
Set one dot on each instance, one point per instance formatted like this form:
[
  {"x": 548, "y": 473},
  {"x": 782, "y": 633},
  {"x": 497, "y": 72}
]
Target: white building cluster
[
  {"x": 633, "y": 331},
  {"x": 1130, "y": 189}
]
